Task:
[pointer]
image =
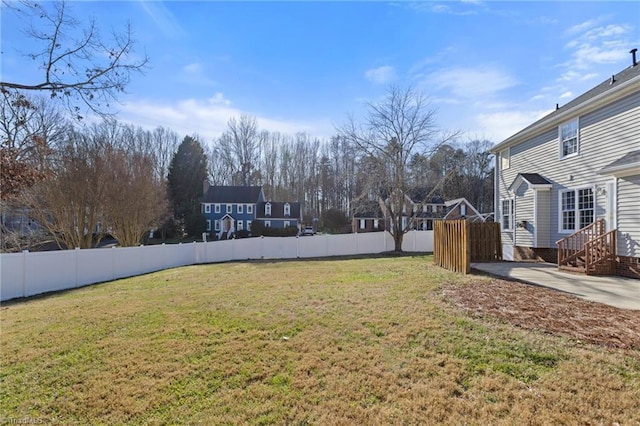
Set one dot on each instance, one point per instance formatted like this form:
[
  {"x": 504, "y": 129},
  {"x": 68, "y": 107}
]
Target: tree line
[{"x": 79, "y": 182}]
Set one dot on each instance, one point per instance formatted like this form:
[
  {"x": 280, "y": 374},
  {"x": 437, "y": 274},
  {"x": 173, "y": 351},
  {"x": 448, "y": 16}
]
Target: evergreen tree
[{"x": 187, "y": 171}]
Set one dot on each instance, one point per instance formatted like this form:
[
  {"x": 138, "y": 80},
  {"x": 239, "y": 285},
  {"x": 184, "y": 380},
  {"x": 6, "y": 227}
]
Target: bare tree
[
  {"x": 240, "y": 149},
  {"x": 29, "y": 129},
  {"x": 393, "y": 130},
  {"x": 70, "y": 203},
  {"x": 78, "y": 65},
  {"x": 136, "y": 196}
]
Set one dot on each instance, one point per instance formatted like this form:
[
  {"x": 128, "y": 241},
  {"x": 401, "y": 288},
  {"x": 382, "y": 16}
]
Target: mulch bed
[{"x": 550, "y": 311}]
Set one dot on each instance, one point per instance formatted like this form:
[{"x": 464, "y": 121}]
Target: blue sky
[{"x": 489, "y": 68}]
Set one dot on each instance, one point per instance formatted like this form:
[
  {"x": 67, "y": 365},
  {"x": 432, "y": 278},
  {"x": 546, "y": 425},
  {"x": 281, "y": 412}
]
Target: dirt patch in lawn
[{"x": 549, "y": 311}]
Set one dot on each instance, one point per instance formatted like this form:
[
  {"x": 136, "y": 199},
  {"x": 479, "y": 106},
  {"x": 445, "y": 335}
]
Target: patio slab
[{"x": 620, "y": 292}]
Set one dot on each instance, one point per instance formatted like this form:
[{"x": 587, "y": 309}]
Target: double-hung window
[
  {"x": 506, "y": 212},
  {"x": 505, "y": 159},
  {"x": 577, "y": 209},
  {"x": 287, "y": 210},
  {"x": 249, "y": 208},
  {"x": 267, "y": 209},
  {"x": 569, "y": 140},
  {"x": 217, "y": 208},
  {"x": 208, "y": 224},
  {"x": 207, "y": 208},
  {"x": 229, "y": 208},
  {"x": 240, "y": 208},
  {"x": 240, "y": 227}
]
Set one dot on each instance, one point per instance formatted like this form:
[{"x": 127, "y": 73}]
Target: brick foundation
[{"x": 628, "y": 266}]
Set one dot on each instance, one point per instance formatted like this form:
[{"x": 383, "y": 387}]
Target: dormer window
[
  {"x": 287, "y": 210},
  {"x": 267, "y": 209}
]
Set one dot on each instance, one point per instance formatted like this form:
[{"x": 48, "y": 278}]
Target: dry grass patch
[{"x": 367, "y": 341}]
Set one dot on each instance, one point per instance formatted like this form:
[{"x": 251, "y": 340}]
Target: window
[
  {"x": 507, "y": 215},
  {"x": 250, "y": 209},
  {"x": 463, "y": 209},
  {"x": 505, "y": 159},
  {"x": 240, "y": 208},
  {"x": 569, "y": 143},
  {"x": 267, "y": 224},
  {"x": 429, "y": 225},
  {"x": 376, "y": 223},
  {"x": 217, "y": 208},
  {"x": 240, "y": 227},
  {"x": 208, "y": 225},
  {"x": 267, "y": 209},
  {"x": 217, "y": 225},
  {"x": 248, "y": 225},
  {"x": 207, "y": 208},
  {"x": 287, "y": 209},
  {"x": 287, "y": 224},
  {"x": 229, "y": 208},
  {"x": 362, "y": 224},
  {"x": 577, "y": 209}
]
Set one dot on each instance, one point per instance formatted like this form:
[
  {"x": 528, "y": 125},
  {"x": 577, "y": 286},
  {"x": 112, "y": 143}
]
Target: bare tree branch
[{"x": 79, "y": 69}]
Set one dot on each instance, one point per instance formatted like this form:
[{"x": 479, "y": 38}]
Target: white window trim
[
  {"x": 287, "y": 209},
  {"x": 208, "y": 224},
  {"x": 217, "y": 225},
  {"x": 267, "y": 209},
  {"x": 560, "y": 141},
  {"x": 250, "y": 209},
  {"x": 576, "y": 207},
  {"x": 249, "y": 225},
  {"x": 229, "y": 208},
  {"x": 267, "y": 224},
  {"x": 240, "y": 208},
  {"x": 207, "y": 208},
  {"x": 240, "y": 225},
  {"x": 511, "y": 214},
  {"x": 363, "y": 223},
  {"x": 287, "y": 223},
  {"x": 217, "y": 208}
]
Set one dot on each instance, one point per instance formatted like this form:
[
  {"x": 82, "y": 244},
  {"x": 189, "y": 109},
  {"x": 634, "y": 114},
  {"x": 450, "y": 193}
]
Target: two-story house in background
[
  {"x": 229, "y": 209},
  {"x": 567, "y": 187}
]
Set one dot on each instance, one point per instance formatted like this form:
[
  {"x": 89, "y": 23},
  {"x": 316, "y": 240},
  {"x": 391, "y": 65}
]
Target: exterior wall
[
  {"x": 629, "y": 216},
  {"x": 244, "y": 216},
  {"x": 605, "y": 135},
  {"x": 543, "y": 219},
  {"x": 368, "y": 225},
  {"x": 524, "y": 212}
]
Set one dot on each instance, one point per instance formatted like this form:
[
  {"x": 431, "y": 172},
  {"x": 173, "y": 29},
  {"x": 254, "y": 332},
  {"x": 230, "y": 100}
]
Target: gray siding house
[{"x": 574, "y": 176}]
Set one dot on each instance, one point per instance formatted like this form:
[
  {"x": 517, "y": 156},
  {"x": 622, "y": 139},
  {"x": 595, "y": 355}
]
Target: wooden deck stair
[{"x": 589, "y": 250}]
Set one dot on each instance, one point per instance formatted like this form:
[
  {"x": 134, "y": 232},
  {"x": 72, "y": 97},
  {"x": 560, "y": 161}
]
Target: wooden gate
[{"x": 457, "y": 243}]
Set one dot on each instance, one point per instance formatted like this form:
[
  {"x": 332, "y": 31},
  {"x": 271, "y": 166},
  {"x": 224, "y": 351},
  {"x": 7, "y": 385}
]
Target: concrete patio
[{"x": 615, "y": 291}]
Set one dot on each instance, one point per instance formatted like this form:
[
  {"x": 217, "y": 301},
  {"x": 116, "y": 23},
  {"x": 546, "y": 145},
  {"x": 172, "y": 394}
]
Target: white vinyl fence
[{"x": 27, "y": 274}]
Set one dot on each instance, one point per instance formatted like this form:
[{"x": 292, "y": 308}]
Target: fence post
[
  {"x": 77, "y": 251},
  {"x": 24, "y": 272}
]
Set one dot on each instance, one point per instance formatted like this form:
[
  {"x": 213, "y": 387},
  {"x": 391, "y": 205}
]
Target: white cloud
[
  {"x": 468, "y": 83},
  {"x": 581, "y": 27},
  {"x": 566, "y": 94},
  {"x": 381, "y": 75},
  {"x": 163, "y": 18},
  {"x": 208, "y": 117},
  {"x": 500, "y": 125}
]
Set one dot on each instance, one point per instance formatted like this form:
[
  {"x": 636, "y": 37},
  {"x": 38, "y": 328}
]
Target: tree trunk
[{"x": 397, "y": 239}]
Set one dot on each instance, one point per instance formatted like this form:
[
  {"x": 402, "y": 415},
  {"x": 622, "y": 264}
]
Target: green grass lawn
[{"x": 356, "y": 341}]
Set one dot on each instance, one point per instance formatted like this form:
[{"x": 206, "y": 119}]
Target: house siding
[
  {"x": 543, "y": 219},
  {"x": 605, "y": 135},
  {"x": 629, "y": 216},
  {"x": 524, "y": 212}
]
